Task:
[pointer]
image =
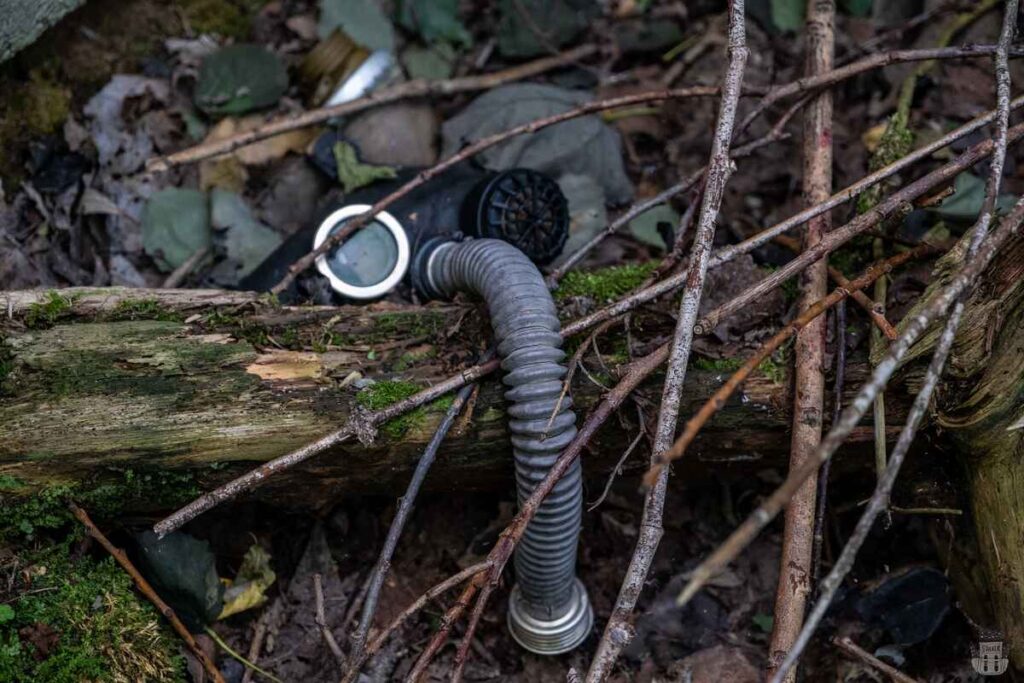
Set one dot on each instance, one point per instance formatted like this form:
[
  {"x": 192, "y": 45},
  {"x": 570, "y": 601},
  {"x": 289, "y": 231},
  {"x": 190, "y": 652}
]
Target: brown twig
[
  {"x": 256, "y": 476},
  {"x": 722, "y": 394},
  {"x": 147, "y": 590},
  {"x": 408, "y": 90},
  {"x": 876, "y": 61},
  {"x": 726, "y": 254},
  {"x": 719, "y": 169},
  {"x": 857, "y": 652},
  {"x": 258, "y": 636},
  {"x": 405, "y": 505},
  {"x": 820, "y": 502},
  {"x": 321, "y": 620},
  {"x": 887, "y": 479},
  {"x": 462, "y": 654},
  {"x": 794, "y": 583},
  {"x": 837, "y": 237},
  {"x": 915, "y": 325},
  {"x": 873, "y": 310},
  {"x": 359, "y": 659}
]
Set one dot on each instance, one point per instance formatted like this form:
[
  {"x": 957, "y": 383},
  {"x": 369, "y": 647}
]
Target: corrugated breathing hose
[{"x": 549, "y": 612}]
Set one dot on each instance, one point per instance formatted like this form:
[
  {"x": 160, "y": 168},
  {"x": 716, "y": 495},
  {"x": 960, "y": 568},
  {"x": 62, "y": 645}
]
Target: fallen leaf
[
  {"x": 266, "y": 150},
  {"x": 181, "y": 569},
  {"x": 227, "y": 173},
  {"x": 399, "y": 134},
  {"x": 435, "y": 62},
  {"x": 649, "y": 227},
  {"x": 363, "y": 20},
  {"x": 434, "y": 20},
  {"x": 583, "y": 146},
  {"x": 244, "y": 241},
  {"x": 352, "y": 173},
  {"x": 240, "y": 78},
  {"x": 175, "y": 224},
  {"x": 249, "y": 587}
]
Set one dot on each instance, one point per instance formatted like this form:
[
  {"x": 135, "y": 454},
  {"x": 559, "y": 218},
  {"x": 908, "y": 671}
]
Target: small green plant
[{"x": 45, "y": 313}]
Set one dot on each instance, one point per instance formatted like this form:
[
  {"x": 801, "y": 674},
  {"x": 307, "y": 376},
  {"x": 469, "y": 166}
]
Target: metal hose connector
[{"x": 549, "y": 612}]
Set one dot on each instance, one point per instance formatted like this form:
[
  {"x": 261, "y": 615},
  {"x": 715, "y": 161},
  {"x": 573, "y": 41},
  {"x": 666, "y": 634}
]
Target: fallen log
[{"x": 198, "y": 386}]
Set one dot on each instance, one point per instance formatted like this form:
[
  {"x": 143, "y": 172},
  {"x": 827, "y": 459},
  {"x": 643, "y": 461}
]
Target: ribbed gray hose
[{"x": 549, "y": 612}]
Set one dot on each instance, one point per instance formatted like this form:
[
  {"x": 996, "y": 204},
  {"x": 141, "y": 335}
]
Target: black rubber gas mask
[{"x": 523, "y": 207}]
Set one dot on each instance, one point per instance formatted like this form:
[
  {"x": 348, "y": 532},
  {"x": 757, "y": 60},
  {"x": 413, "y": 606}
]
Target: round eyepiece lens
[{"x": 366, "y": 258}]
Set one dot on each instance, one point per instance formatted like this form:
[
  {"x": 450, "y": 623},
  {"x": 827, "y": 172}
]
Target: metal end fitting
[{"x": 555, "y": 635}]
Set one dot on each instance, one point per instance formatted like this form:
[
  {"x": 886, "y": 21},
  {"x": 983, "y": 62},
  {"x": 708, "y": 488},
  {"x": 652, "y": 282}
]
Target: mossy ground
[
  {"x": 605, "y": 284},
  {"x": 66, "y": 618},
  {"x": 24, "y": 513}
]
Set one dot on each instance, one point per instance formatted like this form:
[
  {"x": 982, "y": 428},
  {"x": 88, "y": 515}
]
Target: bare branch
[{"x": 720, "y": 167}]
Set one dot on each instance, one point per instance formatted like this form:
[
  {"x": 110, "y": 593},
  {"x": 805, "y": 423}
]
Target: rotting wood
[{"x": 94, "y": 395}]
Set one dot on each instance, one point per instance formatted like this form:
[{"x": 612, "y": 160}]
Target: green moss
[
  {"x": 768, "y": 367},
  {"x": 229, "y": 18},
  {"x": 143, "y": 309},
  {"x": 388, "y": 392},
  {"x": 103, "y": 630},
  {"x": 45, "y": 313},
  {"x": 605, "y": 284},
  {"x": 25, "y": 515}
]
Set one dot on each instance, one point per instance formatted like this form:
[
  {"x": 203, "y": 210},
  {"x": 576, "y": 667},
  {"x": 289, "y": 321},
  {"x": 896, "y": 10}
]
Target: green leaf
[
  {"x": 6, "y": 613},
  {"x": 362, "y": 20},
  {"x": 434, "y": 20},
  {"x": 244, "y": 240},
  {"x": 645, "y": 227},
  {"x": 763, "y": 622},
  {"x": 965, "y": 204},
  {"x": 240, "y": 78},
  {"x": 182, "y": 571},
  {"x": 432, "y": 63},
  {"x": 788, "y": 15},
  {"x": 175, "y": 225},
  {"x": 354, "y": 174}
]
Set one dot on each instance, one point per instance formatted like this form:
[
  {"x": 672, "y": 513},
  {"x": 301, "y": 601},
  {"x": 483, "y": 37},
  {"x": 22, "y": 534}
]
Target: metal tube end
[{"x": 551, "y": 636}]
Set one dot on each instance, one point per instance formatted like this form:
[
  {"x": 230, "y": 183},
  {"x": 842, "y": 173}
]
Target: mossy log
[
  {"x": 100, "y": 383},
  {"x": 982, "y": 407}
]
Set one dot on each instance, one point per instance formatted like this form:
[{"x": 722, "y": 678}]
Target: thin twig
[
  {"x": 857, "y": 652},
  {"x": 185, "y": 269},
  {"x": 321, "y": 620},
  {"x": 794, "y": 583},
  {"x": 258, "y": 636},
  {"x": 726, "y": 254},
  {"x": 720, "y": 167},
  {"x": 856, "y": 226},
  {"x": 821, "y": 499},
  {"x": 915, "y": 325},
  {"x": 360, "y": 424},
  {"x": 359, "y": 659},
  {"x": 876, "y": 61},
  {"x": 722, "y": 394},
  {"x": 147, "y": 590},
  {"x": 405, "y": 505},
  {"x": 462, "y": 654},
  {"x": 873, "y": 310},
  {"x": 408, "y": 90},
  {"x": 880, "y": 498}
]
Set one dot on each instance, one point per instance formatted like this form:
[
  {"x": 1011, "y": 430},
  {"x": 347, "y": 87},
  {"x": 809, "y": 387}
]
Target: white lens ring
[{"x": 397, "y": 233}]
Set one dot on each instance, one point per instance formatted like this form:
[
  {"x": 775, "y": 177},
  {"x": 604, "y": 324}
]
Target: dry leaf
[{"x": 265, "y": 150}]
